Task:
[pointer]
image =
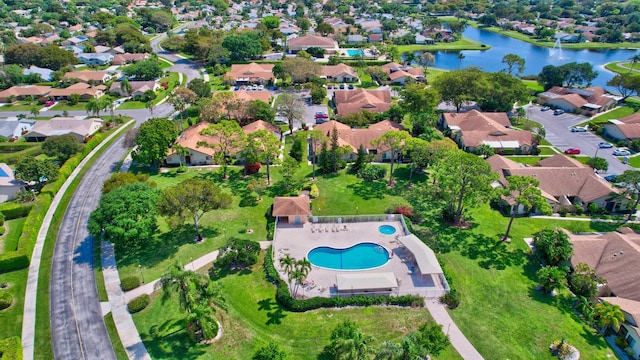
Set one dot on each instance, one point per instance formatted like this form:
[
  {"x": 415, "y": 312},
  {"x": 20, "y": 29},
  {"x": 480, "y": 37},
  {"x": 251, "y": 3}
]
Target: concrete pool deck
[{"x": 298, "y": 240}]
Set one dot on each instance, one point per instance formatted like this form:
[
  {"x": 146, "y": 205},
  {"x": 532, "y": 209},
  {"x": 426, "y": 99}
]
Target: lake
[{"x": 535, "y": 57}]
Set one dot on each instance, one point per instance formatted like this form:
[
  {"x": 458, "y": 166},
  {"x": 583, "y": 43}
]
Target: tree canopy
[
  {"x": 154, "y": 139},
  {"x": 242, "y": 46},
  {"x": 144, "y": 70},
  {"x": 36, "y": 172},
  {"x": 553, "y": 246},
  {"x": 570, "y": 74},
  {"x": 61, "y": 147}
]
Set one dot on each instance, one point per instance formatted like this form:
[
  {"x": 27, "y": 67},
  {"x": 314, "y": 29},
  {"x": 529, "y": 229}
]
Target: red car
[
  {"x": 572, "y": 151},
  {"x": 321, "y": 115},
  {"x": 50, "y": 103}
]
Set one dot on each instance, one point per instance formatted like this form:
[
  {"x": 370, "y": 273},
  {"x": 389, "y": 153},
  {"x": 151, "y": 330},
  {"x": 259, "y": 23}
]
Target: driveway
[{"x": 558, "y": 133}]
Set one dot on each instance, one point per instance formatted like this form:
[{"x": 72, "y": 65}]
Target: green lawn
[
  {"x": 131, "y": 104},
  {"x": 462, "y": 44},
  {"x": 634, "y": 161},
  {"x": 254, "y": 318},
  {"x": 619, "y": 112},
  {"x": 13, "y": 230},
  {"x": 433, "y": 73},
  {"x": 22, "y": 106},
  {"x": 64, "y": 105},
  {"x": 533, "y": 86},
  {"x": 11, "y": 318}
]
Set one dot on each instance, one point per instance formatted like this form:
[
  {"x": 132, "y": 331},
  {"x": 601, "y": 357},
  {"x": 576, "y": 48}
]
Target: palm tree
[
  {"x": 125, "y": 86},
  {"x": 349, "y": 343},
  {"x": 409, "y": 57},
  {"x": 151, "y": 106},
  {"x": 93, "y": 106},
  {"x": 35, "y": 111},
  {"x": 288, "y": 264},
  {"x": 608, "y": 315},
  {"x": 182, "y": 152},
  {"x": 634, "y": 60},
  {"x": 410, "y": 348},
  {"x": 106, "y": 103}
]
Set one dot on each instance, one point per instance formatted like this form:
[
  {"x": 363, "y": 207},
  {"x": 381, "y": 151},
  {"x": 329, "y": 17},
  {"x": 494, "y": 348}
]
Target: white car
[{"x": 621, "y": 152}]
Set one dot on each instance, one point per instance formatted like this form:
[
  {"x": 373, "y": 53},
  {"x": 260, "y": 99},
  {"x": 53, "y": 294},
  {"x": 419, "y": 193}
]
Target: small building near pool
[
  {"x": 366, "y": 284},
  {"x": 291, "y": 210}
]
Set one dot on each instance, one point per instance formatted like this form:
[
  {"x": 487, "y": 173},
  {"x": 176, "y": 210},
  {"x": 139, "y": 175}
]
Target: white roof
[
  {"x": 511, "y": 144},
  {"x": 424, "y": 256},
  {"x": 366, "y": 281}
]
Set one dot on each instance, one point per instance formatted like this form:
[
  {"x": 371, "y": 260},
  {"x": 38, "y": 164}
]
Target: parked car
[
  {"x": 342, "y": 86},
  {"x": 572, "y": 151},
  {"x": 260, "y": 87},
  {"x": 321, "y": 120},
  {"x": 50, "y": 103},
  {"x": 350, "y": 86},
  {"x": 545, "y": 108},
  {"x": 611, "y": 178},
  {"x": 604, "y": 145},
  {"x": 621, "y": 152},
  {"x": 558, "y": 112},
  {"x": 329, "y": 86},
  {"x": 255, "y": 87},
  {"x": 321, "y": 115},
  {"x": 578, "y": 129}
]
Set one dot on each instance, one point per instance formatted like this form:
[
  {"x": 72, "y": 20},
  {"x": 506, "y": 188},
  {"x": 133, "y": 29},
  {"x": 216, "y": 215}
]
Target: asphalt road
[
  {"x": 77, "y": 327},
  {"x": 558, "y": 133}
]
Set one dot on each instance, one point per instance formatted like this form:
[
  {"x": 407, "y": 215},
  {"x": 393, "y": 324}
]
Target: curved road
[{"x": 77, "y": 327}]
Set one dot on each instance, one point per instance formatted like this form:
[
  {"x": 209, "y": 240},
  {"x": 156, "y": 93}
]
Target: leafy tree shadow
[
  {"x": 275, "y": 317},
  {"x": 492, "y": 252},
  {"x": 370, "y": 190},
  {"x": 165, "y": 245},
  {"x": 217, "y": 274},
  {"x": 163, "y": 343},
  {"x": 267, "y": 304}
]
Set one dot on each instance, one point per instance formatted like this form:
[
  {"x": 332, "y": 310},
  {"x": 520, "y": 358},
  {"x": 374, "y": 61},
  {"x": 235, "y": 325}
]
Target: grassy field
[
  {"x": 462, "y": 44},
  {"x": 22, "y": 106},
  {"x": 11, "y": 318},
  {"x": 64, "y": 105},
  {"x": 170, "y": 79},
  {"x": 613, "y": 114}
]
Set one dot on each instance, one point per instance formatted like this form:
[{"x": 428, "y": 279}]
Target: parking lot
[{"x": 558, "y": 133}]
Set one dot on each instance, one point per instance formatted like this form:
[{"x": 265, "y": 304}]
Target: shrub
[
  {"x": 372, "y": 173},
  {"x": 130, "y": 283},
  {"x": 452, "y": 299},
  {"x": 6, "y": 299},
  {"x": 1, "y": 219},
  {"x": 11, "y": 348},
  {"x": 15, "y": 210},
  {"x": 563, "y": 212},
  {"x": 314, "y": 192},
  {"x": 621, "y": 342},
  {"x": 181, "y": 169},
  {"x": 139, "y": 303}
]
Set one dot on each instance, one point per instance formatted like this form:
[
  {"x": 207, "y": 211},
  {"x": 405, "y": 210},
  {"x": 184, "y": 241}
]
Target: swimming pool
[
  {"x": 355, "y": 52},
  {"x": 387, "y": 229},
  {"x": 361, "y": 256}
]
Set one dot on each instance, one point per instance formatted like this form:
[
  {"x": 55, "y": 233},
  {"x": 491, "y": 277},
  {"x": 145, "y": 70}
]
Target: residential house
[
  {"x": 402, "y": 74},
  {"x": 75, "y": 40},
  {"x": 262, "y": 125},
  {"x": 81, "y": 129},
  {"x": 45, "y": 74},
  {"x": 291, "y": 210},
  {"x": 304, "y": 42},
  {"x": 127, "y": 58},
  {"x": 588, "y": 101},
  {"x": 9, "y": 186},
  {"x": 473, "y": 129},
  {"x": 251, "y": 73},
  {"x": 13, "y": 129},
  {"x": 355, "y": 39},
  {"x": 626, "y": 128},
  {"x": 22, "y": 92},
  {"x": 339, "y": 73},
  {"x": 374, "y": 38},
  {"x": 630, "y": 328},
  {"x": 439, "y": 35},
  {"x": 85, "y": 91},
  {"x": 355, "y": 138},
  {"x": 94, "y": 59},
  {"x": 138, "y": 88},
  {"x": 564, "y": 182},
  {"x": 352, "y": 101},
  {"x": 88, "y": 76}
]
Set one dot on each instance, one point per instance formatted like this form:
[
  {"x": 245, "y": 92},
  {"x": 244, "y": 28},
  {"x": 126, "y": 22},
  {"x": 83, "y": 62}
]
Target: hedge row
[
  {"x": 14, "y": 210},
  {"x": 13, "y": 158},
  {"x": 367, "y": 62},
  {"x": 284, "y": 298},
  {"x": 13, "y": 147},
  {"x": 139, "y": 303},
  {"x": 19, "y": 259},
  {"x": 11, "y": 348}
]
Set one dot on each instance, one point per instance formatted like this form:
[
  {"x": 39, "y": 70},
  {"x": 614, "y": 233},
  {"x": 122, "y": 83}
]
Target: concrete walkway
[
  {"x": 121, "y": 317},
  {"x": 458, "y": 340},
  {"x": 29, "y": 313}
]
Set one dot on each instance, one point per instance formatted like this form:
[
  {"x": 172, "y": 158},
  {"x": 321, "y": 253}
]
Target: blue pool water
[
  {"x": 361, "y": 256},
  {"x": 387, "y": 229},
  {"x": 3, "y": 173},
  {"x": 355, "y": 52}
]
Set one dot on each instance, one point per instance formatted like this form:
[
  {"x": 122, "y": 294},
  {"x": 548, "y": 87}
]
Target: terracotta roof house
[
  {"x": 85, "y": 91},
  {"x": 354, "y": 138},
  {"x": 81, "y": 129},
  {"x": 630, "y": 328},
  {"x": 203, "y": 155},
  {"x": 564, "y": 182},
  {"x": 626, "y": 128},
  {"x": 400, "y": 74},
  {"x": 138, "y": 88},
  {"x": 352, "y": 101},
  {"x": 9, "y": 186},
  {"x": 22, "y": 92},
  {"x": 474, "y": 128},
  {"x": 291, "y": 210},
  {"x": 86, "y": 76},
  {"x": 339, "y": 73},
  {"x": 305, "y": 42},
  {"x": 251, "y": 73},
  {"x": 262, "y": 95},
  {"x": 122, "y": 59},
  {"x": 588, "y": 101}
]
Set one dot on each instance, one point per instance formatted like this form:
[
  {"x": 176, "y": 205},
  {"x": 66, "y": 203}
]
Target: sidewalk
[
  {"x": 121, "y": 317},
  {"x": 458, "y": 340}
]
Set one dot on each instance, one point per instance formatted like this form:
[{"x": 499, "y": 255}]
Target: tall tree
[
  {"x": 35, "y": 111},
  {"x": 61, "y": 147},
  {"x": 301, "y": 69},
  {"x": 229, "y": 140},
  {"x": 192, "y": 198},
  {"x": 462, "y": 180},
  {"x": 349, "y": 343},
  {"x": 315, "y": 138},
  {"x": 126, "y": 216},
  {"x": 125, "y": 86},
  {"x": 182, "y": 98},
  {"x": 513, "y": 62},
  {"x": 627, "y": 84},
  {"x": 425, "y": 60},
  {"x": 93, "y": 106},
  {"x": 395, "y": 142},
  {"x": 608, "y": 315},
  {"x": 553, "y": 246},
  {"x": 291, "y": 107},
  {"x": 459, "y": 86},
  {"x": 417, "y": 98},
  {"x": 629, "y": 181},
  {"x": 417, "y": 151},
  {"x": 36, "y": 172},
  {"x": 144, "y": 70},
  {"x": 201, "y": 88},
  {"x": 523, "y": 192},
  {"x": 266, "y": 147},
  {"x": 153, "y": 142}
]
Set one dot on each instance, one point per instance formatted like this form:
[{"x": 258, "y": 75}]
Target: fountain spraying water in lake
[{"x": 556, "y": 51}]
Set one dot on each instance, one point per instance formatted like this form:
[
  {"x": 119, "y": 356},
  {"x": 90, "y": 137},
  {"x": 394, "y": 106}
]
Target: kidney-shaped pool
[{"x": 361, "y": 256}]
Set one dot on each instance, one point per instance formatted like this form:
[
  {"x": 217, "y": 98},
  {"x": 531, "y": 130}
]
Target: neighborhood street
[{"x": 558, "y": 133}]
